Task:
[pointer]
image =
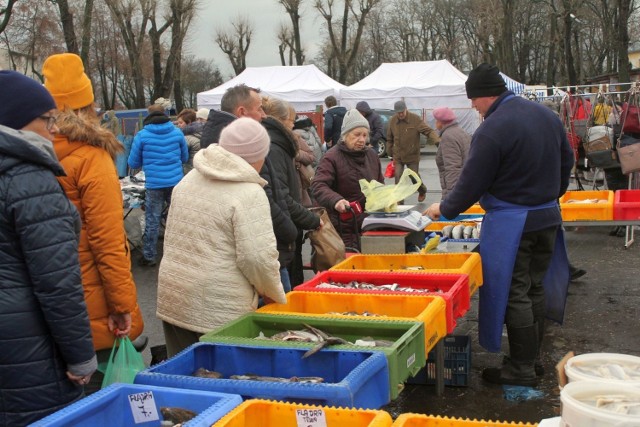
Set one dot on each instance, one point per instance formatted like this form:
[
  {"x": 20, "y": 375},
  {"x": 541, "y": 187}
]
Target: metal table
[{"x": 629, "y": 233}]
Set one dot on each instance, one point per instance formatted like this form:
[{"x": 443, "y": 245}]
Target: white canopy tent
[
  {"x": 304, "y": 86},
  {"x": 422, "y": 85}
]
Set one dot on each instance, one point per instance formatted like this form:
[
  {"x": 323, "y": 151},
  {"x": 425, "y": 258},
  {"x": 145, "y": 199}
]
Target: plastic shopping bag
[
  {"x": 124, "y": 363},
  {"x": 385, "y": 197}
]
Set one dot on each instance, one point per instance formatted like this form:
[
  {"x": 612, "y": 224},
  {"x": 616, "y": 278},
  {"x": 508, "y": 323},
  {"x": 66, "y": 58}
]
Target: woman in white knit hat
[
  {"x": 220, "y": 252},
  {"x": 336, "y": 184}
]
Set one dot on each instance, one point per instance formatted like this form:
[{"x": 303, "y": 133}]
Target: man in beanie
[
  {"x": 220, "y": 251},
  {"x": 403, "y": 142},
  {"x": 159, "y": 149},
  {"x": 376, "y": 128},
  {"x": 47, "y": 353},
  {"x": 519, "y": 165},
  {"x": 336, "y": 183},
  {"x": 453, "y": 149},
  {"x": 238, "y": 101},
  {"x": 87, "y": 153}
]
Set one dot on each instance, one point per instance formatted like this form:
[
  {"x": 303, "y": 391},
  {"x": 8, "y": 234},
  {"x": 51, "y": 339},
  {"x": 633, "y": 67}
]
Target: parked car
[{"x": 386, "y": 115}]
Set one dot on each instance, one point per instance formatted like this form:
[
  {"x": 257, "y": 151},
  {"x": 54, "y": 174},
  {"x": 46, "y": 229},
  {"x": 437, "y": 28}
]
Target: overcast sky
[{"x": 265, "y": 16}]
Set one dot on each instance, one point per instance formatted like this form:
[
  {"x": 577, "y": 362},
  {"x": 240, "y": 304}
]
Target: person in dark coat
[
  {"x": 376, "y": 128},
  {"x": 237, "y": 101},
  {"x": 47, "y": 352},
  {"x": 284, "y": 147},
  {"x": 333, "y": 117},
  {"x": 336, "y": 181}
]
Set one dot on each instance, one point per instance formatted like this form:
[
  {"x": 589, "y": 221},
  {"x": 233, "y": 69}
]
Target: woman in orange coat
[{"x": 87, "y": 152}]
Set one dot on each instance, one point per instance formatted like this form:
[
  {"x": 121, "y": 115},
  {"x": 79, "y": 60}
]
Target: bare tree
[
  {"x": 285, "y": 44},
  {"x": 132, "y": 22},
  {"x": 293, "y": 9},
  {"x": 5, "y": 14},
  {"x": 68, "y": 27},
  {"x": 344, "y": 44},
  {"x": 235, "y": 41},
  {"x": 198, "y": 75}
]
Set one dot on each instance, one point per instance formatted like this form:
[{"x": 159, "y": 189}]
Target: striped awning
[{"x": 512, "y": 85}]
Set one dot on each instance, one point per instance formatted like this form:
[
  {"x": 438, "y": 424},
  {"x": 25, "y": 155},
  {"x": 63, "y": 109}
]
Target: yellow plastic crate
[
  {"x": 420, "y": 420},
  {"x": 266, "y": 413},
  {"x": 474, "y": 209},
  {"x": 587, "y": 211},
  {"x": 439, "y": 225},
  {"x": 462, "y": 263},
  {"x": 431, "y": 310}
]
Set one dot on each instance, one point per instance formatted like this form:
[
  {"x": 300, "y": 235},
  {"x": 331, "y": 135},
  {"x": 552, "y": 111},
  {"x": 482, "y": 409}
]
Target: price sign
[
  {"x": 143, "y": 407},
  {"x": 311, "y": 418}
]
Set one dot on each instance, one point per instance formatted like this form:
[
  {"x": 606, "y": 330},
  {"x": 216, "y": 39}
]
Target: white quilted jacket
[{"x": 219, "y": 247}]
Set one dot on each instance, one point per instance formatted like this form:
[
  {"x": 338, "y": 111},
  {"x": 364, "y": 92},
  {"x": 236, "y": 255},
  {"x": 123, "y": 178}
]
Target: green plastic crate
[{"x": 405, "y": 357}]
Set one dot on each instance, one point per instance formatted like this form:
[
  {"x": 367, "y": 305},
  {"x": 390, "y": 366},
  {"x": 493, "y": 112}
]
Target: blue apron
[{"x": 502, "y": 229}]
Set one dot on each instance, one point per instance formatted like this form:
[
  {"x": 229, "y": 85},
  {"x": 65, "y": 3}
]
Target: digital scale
[{"x": 403, "y": 218}]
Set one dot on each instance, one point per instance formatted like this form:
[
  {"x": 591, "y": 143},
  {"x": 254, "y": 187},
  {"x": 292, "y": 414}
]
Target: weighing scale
[{"x": 403, "y": 218}]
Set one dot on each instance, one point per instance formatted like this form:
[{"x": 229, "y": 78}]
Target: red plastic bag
[{"x": 390, "y": 172}]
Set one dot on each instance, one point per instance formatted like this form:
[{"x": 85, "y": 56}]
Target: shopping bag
[
  {"x": 328, "y": 249},
  {"x": 629, "y": 154},
  {"x": 385, "y": 197},
  {"x": 630, "y": 117},
  {"x": 124, "y": 363},
  {"x": 390, "y": 171}
]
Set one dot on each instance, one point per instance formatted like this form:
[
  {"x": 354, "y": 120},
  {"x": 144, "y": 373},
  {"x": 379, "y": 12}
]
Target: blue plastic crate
[
  {"x": 457, "y": 363},
  {"x": 120, "y": 405},
  {"x": 351, "y": 378}
]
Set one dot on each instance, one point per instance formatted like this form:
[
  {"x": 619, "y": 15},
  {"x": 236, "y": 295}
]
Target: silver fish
[
  {"x": 456, "y": 233},
  {"x": 370, "y": 342},
  {"x": 446, "y": 231},
  {"x": 467, "y": 232},
  {"x": 205, "y": 373},
  {"x": 176, "y": 415},
  {"x": 475, "y": 233}
]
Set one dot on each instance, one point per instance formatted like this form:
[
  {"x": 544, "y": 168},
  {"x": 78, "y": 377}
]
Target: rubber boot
[
  {"x": 539, "y": 368},
  {"x": 519, "y": 367}
]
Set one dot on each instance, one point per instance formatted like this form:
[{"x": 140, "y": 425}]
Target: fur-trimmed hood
[{"x": 80, "y": 129}]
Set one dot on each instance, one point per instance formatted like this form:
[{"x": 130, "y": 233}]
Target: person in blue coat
[
  {"x": 47, "y": 352},
  {"x": 160, "y": 150},
  {"x": 518, "y": 166}
]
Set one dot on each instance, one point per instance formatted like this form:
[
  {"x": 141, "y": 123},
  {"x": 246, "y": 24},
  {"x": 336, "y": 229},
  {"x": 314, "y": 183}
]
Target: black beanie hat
[
  {"x": 22, "y": 99},
  {"x": 485, "y": 80}
]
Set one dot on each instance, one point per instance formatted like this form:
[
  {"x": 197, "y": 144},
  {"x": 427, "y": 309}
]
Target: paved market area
[{"x": 603, "y": 315}]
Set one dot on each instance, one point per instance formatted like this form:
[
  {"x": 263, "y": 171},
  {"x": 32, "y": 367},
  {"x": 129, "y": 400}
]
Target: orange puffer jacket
[{"x": 86, "y": 153}]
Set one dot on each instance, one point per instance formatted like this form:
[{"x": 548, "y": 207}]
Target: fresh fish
[
  {"x": 325, "y": 340},
  {"x": 446, "y": 231},
  {"x": 370, "y": 342},
  {"x": 612, "y": 371},
  {"x": 371, "y": 287},
  {"x": 205, "y": 373},
  {"x": 475, "y": 233},
  {"x": 298, "y": 336},
  {"x": 467, "y": 232},
  {"x": 176, "y": 415},
  {"x": 456, "y": 233},
  {"x": 253, "y": 377},
  {"x": 620, "y": 404},
  {"x": 412, "y": 267}
]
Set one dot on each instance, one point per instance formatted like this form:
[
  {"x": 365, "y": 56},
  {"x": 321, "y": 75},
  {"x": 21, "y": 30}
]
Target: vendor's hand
[
  {"x": 80, "y": 380},
  {"x": 433, "y": 211},
  {"x": 342, "y": 206},
  {"x": 119, "y": 324}
]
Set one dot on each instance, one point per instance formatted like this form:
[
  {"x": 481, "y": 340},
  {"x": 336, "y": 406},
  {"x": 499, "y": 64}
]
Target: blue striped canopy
[{"x": 512, "y": 85}]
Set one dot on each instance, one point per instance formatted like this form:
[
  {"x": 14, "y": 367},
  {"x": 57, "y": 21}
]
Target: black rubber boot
[
  {"x": 519, "y": 367},
  {"x": 539, "y": 368}
]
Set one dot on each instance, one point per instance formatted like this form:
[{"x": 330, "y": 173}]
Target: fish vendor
[{"x": 518, "y": 166}]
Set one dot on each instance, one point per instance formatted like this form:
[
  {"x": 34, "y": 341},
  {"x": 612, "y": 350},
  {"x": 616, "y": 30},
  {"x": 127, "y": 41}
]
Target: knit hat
[
  {"x": 65, "y": 78},
  {"x": 484, "y": 81},
  {"x": 246, "y": 138},
  {"x": 444, "y": 114},
  {"x": 202, "y": 113},
  {"x": 353, "y": 119},
  {"x": 22, "y": 99},
  {"x": 399, "y": 106},
  {"x": 363, "y": 107}
]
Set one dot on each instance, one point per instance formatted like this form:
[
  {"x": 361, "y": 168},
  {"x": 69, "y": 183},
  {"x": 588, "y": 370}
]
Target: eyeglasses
[{"x": 51, "y": 121}]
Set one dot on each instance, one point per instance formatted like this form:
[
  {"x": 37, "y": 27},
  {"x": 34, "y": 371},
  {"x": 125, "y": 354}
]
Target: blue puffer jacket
[
  {"x": 160, "y": 150},
  {"x": 44, "y": 327}
]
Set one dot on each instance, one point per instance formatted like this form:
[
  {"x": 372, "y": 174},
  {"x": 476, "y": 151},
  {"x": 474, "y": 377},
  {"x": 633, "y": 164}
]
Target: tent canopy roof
[{"x": 304, "y": 86}]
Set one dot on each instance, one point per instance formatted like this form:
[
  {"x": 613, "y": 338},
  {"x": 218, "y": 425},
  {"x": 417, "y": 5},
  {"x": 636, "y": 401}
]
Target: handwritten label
[
  {"x": 311, "y": 418},
  {"x": 143, "y": 407},
  {"x": 411, "y": 360}
]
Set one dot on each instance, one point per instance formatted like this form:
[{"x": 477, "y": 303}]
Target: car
[{"x": 386, "y": 115}]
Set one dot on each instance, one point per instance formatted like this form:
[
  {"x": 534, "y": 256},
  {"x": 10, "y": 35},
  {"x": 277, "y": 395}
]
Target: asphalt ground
[{"x": 602, "y": 315}]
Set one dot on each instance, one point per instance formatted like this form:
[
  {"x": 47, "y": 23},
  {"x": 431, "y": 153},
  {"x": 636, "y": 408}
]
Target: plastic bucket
[
  {"x": 578, "y": 412},
  {"x": 614, "y": 368}
]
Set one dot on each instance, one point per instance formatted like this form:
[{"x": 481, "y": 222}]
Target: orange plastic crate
[
  {"x": 462, "y": 263},
  {"x": 439, "y": 225},
  {"x": 427, "y": 309},
  {"x": 587, "y": 211},
  {"x": 266, "y": 413},
  {"x": 420, "y": 420},
  {"x": 474, "y": 209}
]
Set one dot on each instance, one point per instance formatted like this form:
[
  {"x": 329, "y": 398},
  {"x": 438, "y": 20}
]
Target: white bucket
[
  {"x": 612, "y": 365},
  {"x": 577, "y": 413}
]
